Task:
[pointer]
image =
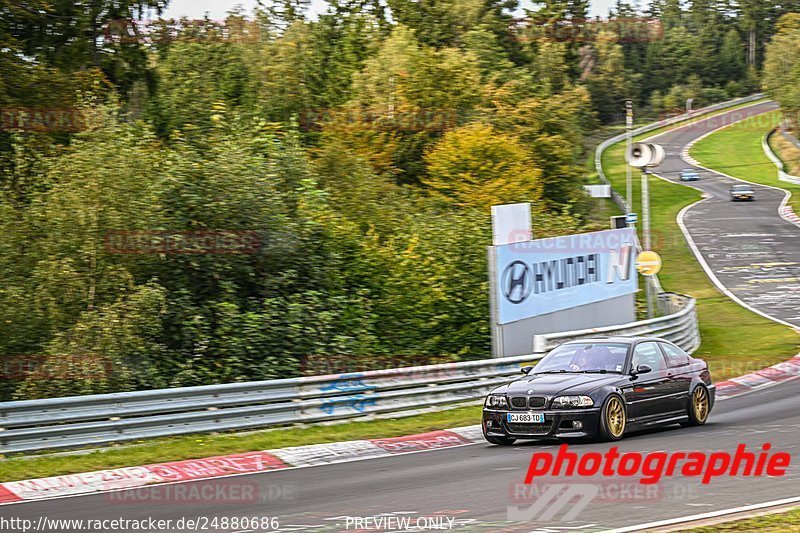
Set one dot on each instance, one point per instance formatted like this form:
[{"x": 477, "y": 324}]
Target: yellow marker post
[{"x": 648, "y": 263}]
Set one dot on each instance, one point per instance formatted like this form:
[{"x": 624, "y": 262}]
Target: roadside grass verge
[
  {"x": 788, "y": 521},
  {"x": 737, "y": 151},
  {"x": 786, "y": 152},
  {"x": 734, "y": 340},
  {"x": 198, "y": 446}
]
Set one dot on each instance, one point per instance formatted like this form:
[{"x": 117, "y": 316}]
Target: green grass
[
  {"x": 755, "y": 342},
  {"x": 788, "y": 521},
  {"x": 197, "y": 446},
  {"x": 736, "y": 150}
]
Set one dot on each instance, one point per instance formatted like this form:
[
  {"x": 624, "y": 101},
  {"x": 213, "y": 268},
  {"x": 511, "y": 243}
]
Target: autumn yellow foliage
[{"x": 477, "y": 166}]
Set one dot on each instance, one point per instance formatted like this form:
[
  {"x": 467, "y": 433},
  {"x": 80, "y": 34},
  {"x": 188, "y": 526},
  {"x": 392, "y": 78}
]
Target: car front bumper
[{"x": 557, "y": 424}]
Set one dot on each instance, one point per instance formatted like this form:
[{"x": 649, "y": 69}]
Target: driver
[
  {"x": 581, "y": 359},
  {"x": 590, "y": 358}
]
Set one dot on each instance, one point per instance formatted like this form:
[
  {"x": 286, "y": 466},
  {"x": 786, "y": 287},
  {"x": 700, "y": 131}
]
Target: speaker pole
[
  {"x": 628, "y": 140},
  {"x": 646, "y": 235}
]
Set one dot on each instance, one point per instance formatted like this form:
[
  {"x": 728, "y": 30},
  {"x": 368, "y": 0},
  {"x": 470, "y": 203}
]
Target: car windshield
[
  {"x": 741, "y": 187},
  {"x": 584, "y": 357},
  {"x": 689, "y": 171}
]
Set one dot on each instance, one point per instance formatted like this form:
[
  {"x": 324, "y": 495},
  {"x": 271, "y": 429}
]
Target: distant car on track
[
  {"x": 689, "y": 174},
  {"x": 601, "y": 389},
  {"x": 742, "y": 192}
]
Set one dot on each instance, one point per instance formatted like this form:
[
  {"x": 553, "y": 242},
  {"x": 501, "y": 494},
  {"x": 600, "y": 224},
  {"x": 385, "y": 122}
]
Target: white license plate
[{"x": 525, "y": 418}]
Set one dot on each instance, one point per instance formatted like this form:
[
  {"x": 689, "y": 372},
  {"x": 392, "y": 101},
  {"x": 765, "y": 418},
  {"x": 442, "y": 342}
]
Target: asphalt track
[
  {"x": 753, "y": 252},
  {"x": 476, "y": 484},
  {"x": 480, "y": 485}
]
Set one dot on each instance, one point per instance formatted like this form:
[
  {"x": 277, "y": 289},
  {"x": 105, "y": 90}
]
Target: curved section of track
[{"x": 749, "y": 251}]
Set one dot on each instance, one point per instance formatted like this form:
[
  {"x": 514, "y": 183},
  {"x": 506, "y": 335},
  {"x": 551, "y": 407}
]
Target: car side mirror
[
  {"x": 642, "y": 369},
  {"x": 526, "y": 369}
]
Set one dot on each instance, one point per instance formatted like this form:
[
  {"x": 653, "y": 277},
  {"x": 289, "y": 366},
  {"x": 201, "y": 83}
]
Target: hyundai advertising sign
[{"x": 546, "y": 275}]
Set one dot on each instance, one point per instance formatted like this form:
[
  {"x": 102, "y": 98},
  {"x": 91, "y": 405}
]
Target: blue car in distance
[{"x": 689, "y": 174}]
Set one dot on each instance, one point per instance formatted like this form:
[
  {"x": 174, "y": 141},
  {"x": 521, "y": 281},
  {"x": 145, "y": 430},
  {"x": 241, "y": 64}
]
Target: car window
[
  {"x": 580, "y": 357},
  {"x": 675, "y": 356},
  {"x": 647, "y": 353}
]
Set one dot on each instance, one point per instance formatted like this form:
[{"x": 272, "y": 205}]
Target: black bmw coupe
[{"x": 601, "y": 389}]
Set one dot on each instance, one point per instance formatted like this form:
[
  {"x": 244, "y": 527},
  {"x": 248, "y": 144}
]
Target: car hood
[{"x": 558, "y": 384}]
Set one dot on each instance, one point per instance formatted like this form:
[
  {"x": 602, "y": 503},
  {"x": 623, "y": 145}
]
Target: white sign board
[
  {"x": 547, "y": 275},
  {"x": 511, "y": 223},
  {"x": 598, "y": 191}
]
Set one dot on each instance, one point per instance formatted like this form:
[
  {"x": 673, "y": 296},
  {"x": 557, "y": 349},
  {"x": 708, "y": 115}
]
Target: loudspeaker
[{"x": 645, "y": 155}]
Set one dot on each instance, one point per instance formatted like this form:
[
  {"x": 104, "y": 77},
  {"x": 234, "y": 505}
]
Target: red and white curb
[
  {"x": 788, "y": 213},
  {"x": 760, "y": 379},
  {"x": 233, "y": 465}
]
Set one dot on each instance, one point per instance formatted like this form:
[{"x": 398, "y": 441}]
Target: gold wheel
[
  {"x": 700, "y": 404},
  {"x": 615, "y": 417}
]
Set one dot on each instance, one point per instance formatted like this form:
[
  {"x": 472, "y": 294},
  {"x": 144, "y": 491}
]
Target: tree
[
  {"x": 782, "y": 68},
  {"x": 476, "y": 166},
  {"x": 551, "y": 127},
  {"x": 731, "y": 55},
  {"x": 610, "y": 83},
  {"x": 73, "y": 36},
  {"x": 403, "y": 99},
  {"x": 193, "y": 78}
]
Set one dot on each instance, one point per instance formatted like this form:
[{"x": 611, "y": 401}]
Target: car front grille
[
  {"x": 536, "y": 402},
  {"x": 530, "y": 429},
  {"x": 520, "y": 402},
  {"x": 524, "y": 402}
]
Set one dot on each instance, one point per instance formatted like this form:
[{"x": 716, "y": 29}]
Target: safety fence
[
  {"x": 95, "y": 420},
  {"x": 782, "y": 175}
]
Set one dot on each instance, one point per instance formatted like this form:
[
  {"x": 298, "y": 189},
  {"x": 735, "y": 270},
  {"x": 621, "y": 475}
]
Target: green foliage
[
  {"x": 360, "y": 151},
  {"x": 782, "y": 66},
  {"x": 193, "y": 78}
]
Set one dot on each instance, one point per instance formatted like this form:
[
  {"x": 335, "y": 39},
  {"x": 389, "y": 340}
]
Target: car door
[
  {"x": 678, "y": 370},
  {"x": 651, "y": 391}
]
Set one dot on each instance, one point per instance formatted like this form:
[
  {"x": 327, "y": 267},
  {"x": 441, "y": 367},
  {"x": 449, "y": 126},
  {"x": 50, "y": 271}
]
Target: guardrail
[
  {"x": 95, "y": 420},
  {"x": 679, "y": 326},
  {"x": 782, "y": 175}
]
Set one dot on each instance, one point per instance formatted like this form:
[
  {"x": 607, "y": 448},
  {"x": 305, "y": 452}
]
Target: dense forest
[{"x": 192, "y": 202}]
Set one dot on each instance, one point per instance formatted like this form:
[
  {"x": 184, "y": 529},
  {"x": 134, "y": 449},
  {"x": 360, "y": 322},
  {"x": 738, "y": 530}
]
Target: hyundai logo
[{"x": 517, "y": 282}]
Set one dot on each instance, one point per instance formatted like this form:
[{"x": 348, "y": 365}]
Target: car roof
[
  {"x": 741, "y": 186},
  {"x": 615, "y": 339},
  {"x": 688, "y": 170}
]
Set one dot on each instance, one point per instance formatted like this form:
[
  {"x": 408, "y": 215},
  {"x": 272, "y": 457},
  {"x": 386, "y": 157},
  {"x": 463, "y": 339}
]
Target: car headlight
[
  {"x": 495, "y": 401},
  {"x": 572, "y": 401}
]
